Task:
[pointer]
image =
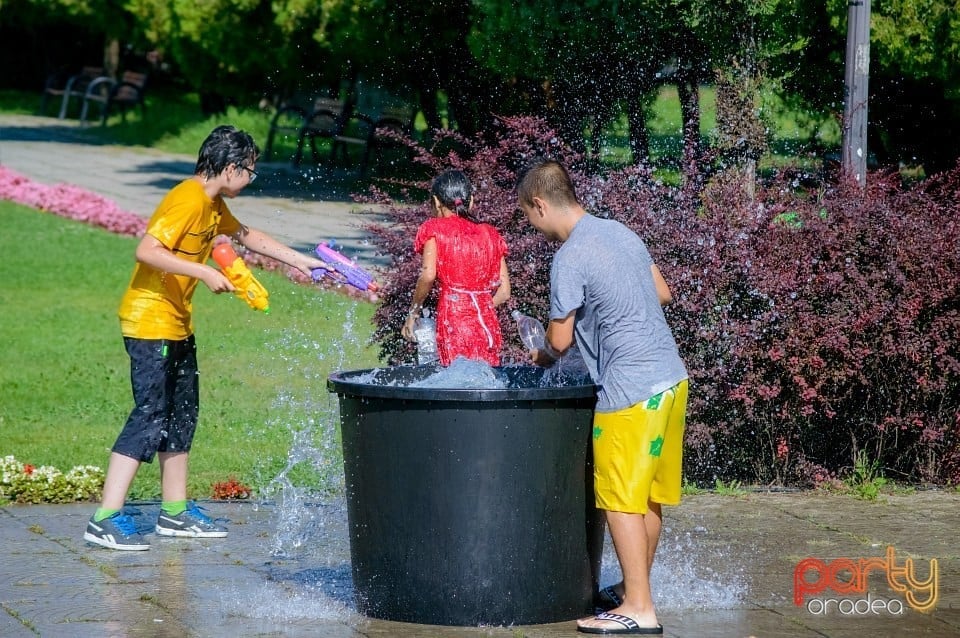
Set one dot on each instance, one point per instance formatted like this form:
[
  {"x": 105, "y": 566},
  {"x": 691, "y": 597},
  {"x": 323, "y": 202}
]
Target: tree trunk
[
  {"x": 111, "y": 57},
  {"x": 639, "y": 134},
  {"x": 428, "y": 104},
  {"x": 689, "y": 94}
]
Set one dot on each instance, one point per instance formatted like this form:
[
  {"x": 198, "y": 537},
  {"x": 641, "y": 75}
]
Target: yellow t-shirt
[{"x": 158, "y": 305}]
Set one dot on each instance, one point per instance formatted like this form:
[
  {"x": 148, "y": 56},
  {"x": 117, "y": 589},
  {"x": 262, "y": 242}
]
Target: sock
[
  {"x": 173, "y": 507},
  {"x": 103, "y": 513}
]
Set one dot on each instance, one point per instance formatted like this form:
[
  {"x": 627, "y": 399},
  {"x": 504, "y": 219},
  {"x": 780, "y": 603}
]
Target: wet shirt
[
  {"x": 468, "y": 273},
  {"x": 158, "y": 305},
  {"x": 602, "y": 272}
]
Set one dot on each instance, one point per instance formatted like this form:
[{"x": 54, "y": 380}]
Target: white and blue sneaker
[
  {"x": 191, "y": 523},
  {"x": 116, "y": 532}
]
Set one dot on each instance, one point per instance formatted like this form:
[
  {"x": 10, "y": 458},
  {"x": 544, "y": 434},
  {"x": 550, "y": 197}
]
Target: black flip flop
[{"x": 628, "y": 626}]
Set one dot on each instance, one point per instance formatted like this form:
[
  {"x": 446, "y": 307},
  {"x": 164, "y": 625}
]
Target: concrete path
[
  {"x": 726, "y": 566},
  {"x": 725, "y": 570}
]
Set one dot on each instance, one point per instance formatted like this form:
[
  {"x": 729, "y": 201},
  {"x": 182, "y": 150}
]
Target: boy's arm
[
  {"x": 558, "y": 340},
  {"x": 153, "y": 253},
  {"x": 260, "y": 242},
  {"x": 663, "y": 290}
]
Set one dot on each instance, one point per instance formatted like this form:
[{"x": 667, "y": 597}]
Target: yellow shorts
[{"x": 638, "y": 453}]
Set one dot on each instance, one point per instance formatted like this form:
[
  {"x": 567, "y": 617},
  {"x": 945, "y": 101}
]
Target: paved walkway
[
  {"x": 726, "y": 566},
  {"x": 725, "y": 570}
]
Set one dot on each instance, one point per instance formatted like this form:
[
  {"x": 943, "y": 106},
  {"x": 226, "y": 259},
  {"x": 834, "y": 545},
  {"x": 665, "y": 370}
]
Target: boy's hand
[
  {"x": 541, "y": 358},
  {"x": 308, "y": 264},
  {"x": 216, "y": 281}
]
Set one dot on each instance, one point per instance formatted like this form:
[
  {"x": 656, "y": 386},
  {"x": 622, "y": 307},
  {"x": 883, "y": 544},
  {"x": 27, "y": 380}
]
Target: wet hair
[
  {"x": 224, "y": 146},
  {"x": 453, "y": 189},
  {"x": 547, "y": 179}
]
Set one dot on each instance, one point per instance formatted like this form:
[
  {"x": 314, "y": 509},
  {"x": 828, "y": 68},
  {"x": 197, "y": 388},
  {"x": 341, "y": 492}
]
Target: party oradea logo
[{"x": 854, "y": 587}]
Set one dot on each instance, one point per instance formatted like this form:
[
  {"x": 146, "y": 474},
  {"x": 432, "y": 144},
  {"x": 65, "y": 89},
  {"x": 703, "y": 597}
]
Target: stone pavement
[
  {"x": 299, "y": 208},
  {"x": 725, "y": 568}
]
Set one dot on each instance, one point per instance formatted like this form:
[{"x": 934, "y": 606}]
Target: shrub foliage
[{"x": 819, "y": 323}]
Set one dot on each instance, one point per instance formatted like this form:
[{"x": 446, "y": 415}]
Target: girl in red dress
[{"x": 468, "y": 259}]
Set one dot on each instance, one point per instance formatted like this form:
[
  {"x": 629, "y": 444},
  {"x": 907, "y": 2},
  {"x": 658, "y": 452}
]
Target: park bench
[
  {"x": 327, "y": 120},
  {"x": 396, "y": 120},
  {"x": 66, "y": 87},
  {"x": 111, "y": 95},
  {"x": 286, "y": 124},
  {"x": 336, "y": 120},
  {"x": 293, "y": 120}
]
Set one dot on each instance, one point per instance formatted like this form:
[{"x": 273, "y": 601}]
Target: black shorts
[{"x": 166, "y": 391}]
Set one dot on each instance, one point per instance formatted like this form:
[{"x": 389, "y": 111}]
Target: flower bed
[
  {"x": 25, "y": 483},
  {"x": 69, "y": 201}
]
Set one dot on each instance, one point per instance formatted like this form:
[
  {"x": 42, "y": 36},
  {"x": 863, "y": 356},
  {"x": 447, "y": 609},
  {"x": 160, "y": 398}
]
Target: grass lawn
[{"x": 64, "y": 381}]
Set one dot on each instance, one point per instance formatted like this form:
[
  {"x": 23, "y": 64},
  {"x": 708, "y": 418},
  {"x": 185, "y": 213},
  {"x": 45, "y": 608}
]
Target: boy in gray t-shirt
[
  {"x": 606, "y": 293},
  {"x": 602, "y": 273}
]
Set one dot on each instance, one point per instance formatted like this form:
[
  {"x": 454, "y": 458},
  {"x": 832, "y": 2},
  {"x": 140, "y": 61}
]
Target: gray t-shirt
[{"x": 602, "y": 271}]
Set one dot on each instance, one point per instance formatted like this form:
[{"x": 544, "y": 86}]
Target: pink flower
[
  {"x": 70, "y": 201},
  {"x": 782, "y": 448}
]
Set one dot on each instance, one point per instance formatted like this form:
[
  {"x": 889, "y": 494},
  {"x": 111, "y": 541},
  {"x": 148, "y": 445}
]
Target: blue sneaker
[
  {"x": 191, "y": 522},
  {"x": 116, "y": 532}
]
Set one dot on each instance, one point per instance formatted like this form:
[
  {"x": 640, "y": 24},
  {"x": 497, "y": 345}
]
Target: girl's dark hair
[
  {"x": 224, "y": 146},
  {"x": 453, "y": 189}
]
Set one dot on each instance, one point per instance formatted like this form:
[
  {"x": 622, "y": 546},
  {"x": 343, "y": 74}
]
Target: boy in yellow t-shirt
[{"x": 157, "y": 326}]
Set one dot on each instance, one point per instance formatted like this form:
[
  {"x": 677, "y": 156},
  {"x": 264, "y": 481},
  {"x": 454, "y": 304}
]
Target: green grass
[
  {"x": 64, "y": 380},
  {"x": 794, "y": 136}
]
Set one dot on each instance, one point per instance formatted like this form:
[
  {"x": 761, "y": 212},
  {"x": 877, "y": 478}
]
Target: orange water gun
[{"x": 248, "y": 288}]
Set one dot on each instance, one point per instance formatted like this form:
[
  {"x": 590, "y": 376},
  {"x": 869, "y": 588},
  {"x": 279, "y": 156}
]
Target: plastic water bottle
[
  {"x": 425, "y": 332},
  {"x": 531, "y": 331}
]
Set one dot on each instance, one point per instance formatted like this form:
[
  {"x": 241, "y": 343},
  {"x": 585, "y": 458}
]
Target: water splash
[
  {"x": 689, "y": 572},
  {"x": 463, "y": 373},
  {"x": 282, "y": 603},
  {"x": 311, "y": 416}
]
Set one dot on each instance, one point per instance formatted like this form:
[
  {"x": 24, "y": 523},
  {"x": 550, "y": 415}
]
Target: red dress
[{"x": 468, "y": 271}]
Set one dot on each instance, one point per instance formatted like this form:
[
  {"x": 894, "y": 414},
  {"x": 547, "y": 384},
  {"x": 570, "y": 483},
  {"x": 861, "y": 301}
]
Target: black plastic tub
[{"x": 469, "y": 507}]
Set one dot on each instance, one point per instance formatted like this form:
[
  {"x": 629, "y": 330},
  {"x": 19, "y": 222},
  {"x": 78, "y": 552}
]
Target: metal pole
[{"x": 857, "y": 72}]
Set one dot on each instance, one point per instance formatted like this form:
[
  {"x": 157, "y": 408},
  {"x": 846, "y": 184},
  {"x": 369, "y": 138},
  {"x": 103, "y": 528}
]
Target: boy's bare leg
[
  {"x": 121, "y": 471},
  {"x": 631, "y": 536},
  {"x": 173, "y": 475},
  {"x": 653, "y": 522}
]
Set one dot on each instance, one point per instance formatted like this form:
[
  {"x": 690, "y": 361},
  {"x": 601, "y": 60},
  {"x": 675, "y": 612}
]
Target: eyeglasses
[{"x": 253, "y": 173}]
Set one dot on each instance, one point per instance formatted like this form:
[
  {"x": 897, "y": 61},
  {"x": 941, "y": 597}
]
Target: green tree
[
  {"x": 575, "y": 63},
  {"x": 108, "y": 17},
  {"x": 914, "y": 75},
  {"x": 226, "y": 50},
  {"x": 915, "y": 81}
]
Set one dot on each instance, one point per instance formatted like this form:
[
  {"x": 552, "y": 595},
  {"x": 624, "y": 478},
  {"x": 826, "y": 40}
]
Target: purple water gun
[{"x": 347, "y": 270}]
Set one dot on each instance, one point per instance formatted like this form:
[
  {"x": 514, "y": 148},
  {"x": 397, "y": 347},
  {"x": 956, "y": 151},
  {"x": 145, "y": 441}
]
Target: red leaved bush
[{"x": 817, "y": 324}]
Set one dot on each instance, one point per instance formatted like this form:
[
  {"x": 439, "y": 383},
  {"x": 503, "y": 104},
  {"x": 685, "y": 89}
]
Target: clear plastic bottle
[
  {"x": 425, "y": 332},
  {"x": 531, "y": 331}
]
